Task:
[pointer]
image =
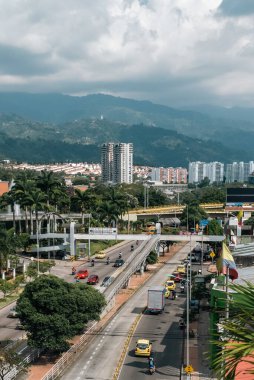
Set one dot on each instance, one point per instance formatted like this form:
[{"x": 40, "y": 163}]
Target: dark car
[
  {"x": 107, "y": 281},
  {"x": 83, "y": 273},
  {"x": 93, "y": 279},
  {"x": 118, "y": 263}
]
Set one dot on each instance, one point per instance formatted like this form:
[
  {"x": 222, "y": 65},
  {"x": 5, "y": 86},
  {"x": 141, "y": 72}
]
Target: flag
[{"x": 226, "y": 261}]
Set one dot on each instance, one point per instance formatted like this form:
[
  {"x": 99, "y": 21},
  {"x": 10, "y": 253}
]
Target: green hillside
[{"x": 24, "y": 140}]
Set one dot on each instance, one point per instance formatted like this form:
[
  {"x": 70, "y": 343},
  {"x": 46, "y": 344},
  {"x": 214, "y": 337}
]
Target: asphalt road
[
  {"x": 8, "y": 329},
  {"x": 167, "y": 343},
  {"x": 100, "y": 359}
]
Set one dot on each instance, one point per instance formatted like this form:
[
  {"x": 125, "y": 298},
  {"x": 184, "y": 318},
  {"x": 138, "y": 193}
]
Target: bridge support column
[{"x": 72, "y": 239}]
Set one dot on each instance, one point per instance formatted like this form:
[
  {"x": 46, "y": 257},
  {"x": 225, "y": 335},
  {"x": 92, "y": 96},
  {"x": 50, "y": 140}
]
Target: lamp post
[
  {"x": 188, "y": 322},
  {"x": 37, "y": 246},
  {"x": 89, "y": 242}
]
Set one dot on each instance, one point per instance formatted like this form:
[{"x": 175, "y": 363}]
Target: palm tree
[
  {"x": 108, "y": 213},
  {"x": 36, "y": 201},
  {"x": 47, "y": 182},
  {"x": 238, "y": 343},
  {"x": 22, "y": 188},
  {"x": 9, "y": 199},
  {"x": 84, "y": 201}
]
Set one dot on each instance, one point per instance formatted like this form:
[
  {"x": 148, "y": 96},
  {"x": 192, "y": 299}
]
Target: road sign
[
  {"x": 189, "y": 369},
  {"x": 203, "y": 223},
  {"x": 212, "y": 254}
]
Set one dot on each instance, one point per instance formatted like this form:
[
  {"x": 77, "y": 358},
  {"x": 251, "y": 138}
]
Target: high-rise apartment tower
[{"x": 117, "y": 163}]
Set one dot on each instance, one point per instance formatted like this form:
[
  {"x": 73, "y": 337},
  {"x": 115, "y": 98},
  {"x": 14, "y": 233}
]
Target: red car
[
  {"x": 93, "y": 279},
  {"x": 177, "y": 277},
  {"x": 81, "y": 274}
]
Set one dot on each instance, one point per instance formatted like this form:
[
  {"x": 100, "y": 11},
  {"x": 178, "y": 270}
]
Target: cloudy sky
[{"x": 173, "y": 52}]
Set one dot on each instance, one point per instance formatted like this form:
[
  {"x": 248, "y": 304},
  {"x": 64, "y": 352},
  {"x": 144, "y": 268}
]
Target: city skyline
[{"x": 176, "y": 53}]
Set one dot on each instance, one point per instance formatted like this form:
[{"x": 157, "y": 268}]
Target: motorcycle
[
  {"x": 132, "y": 248},
  {"x": 182, "y": 324},
  {"x": 108, "y": 261},
  {"x": 92, "y": 263},
  {"x": 182, "y": 288}
]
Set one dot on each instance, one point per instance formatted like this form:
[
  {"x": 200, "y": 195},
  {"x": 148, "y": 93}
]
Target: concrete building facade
[
  {"x": 117, "y": 163},
  {"x": 214, "y": 171}
]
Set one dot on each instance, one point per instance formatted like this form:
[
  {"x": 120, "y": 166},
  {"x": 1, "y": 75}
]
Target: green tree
[
  {"x": 238, "y": 343},
  {"x": 192, "y": 214},
  {"x": 44, "y": 266},
  {"x": 152, "y": 258},
  {"x": 53, "y": 311},
  {"x": 108, "y": 213},
  {"x": 9, "y": 242},
  {"x": 9, "y": 199},
  {"x": 48, "y": 182},
  {"x": 83, "y": 200},
  {"x": 204, "y": 183},
  {"x": 214, "y": 228}
]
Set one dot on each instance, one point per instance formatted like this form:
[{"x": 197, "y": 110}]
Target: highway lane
[
  {"x": 8, "y": 329},
  {"x": 101, "y": 357},
  {"x": 167, "y": 344}
]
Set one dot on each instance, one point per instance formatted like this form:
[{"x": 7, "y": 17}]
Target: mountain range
[{"x": 58, "y": 128}]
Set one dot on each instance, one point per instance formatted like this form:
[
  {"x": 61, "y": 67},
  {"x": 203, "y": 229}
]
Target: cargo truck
[{"x": 156, "y": 299}]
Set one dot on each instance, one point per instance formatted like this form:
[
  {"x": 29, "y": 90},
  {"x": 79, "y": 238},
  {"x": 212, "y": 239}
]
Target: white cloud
[{"x": 172, "y": 52}]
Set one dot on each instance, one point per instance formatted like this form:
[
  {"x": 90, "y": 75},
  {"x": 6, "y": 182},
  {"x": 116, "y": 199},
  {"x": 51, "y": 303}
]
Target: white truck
[{"x": 156, "y": 299}]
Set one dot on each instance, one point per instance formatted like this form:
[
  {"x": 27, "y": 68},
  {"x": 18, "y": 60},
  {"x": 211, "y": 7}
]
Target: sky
[{"x": 171, "y": 52}]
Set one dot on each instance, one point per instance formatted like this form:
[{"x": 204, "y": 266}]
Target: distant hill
[
  {"x": 25, "y": 140},
  {"x": 93, "y": 119}
]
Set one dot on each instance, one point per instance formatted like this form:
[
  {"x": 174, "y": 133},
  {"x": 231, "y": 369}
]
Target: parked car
[
  {"x": 107, "y": 281},
  {"x": 93, "y": 279},
  {"x": 143, "y": 347},
  {"x": 100, "y": 255},
  {"x": 118, "y": 263},
  {"x": 81, "y": 274},
  {"x": 19, "y": 326},
  {"x": 13, "y": 313}
]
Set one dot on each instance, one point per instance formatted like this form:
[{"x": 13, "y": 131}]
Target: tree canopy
[
  {"x": 237, "y": 344},
  {"x": 53, "y": 311}
]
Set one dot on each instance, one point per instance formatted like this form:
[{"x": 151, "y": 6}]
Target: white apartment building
[
  {"x": 117, "y": 163},
  {"x": 239, "y": 171},
  {"x": 212, "y": 170}
]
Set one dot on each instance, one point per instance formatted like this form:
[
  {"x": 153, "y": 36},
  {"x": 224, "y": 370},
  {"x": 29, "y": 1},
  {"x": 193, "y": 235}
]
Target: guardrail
[
  {"x": 28, "y": 359},
  {"x": 69, "y": 355}
]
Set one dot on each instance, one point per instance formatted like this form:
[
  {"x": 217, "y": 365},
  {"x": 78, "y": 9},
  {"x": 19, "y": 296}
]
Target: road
[
  {"x": 8, "y": 329},
  {"x": 167, "y": 343},
  {"x": 101, "y": 357}
]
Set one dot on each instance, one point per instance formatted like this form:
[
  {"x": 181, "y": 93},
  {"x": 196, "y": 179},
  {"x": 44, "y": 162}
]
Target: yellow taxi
[
  {"x": 181, "y": 269},
  {"x": 170, "y": 285},
  {"x": 143, "y": 347},
  {"x": 100, "y": 255}
]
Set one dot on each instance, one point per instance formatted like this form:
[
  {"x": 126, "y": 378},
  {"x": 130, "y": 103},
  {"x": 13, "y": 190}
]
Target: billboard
[{"x": 239, "y": 196}]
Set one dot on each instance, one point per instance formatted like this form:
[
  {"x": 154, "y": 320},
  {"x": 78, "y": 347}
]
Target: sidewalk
[{"x": 200, "y": 346}]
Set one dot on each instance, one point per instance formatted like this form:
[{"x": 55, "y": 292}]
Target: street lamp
[
  {"x": 37, "y": 246},
  {"x": 89, "y": 242}
]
